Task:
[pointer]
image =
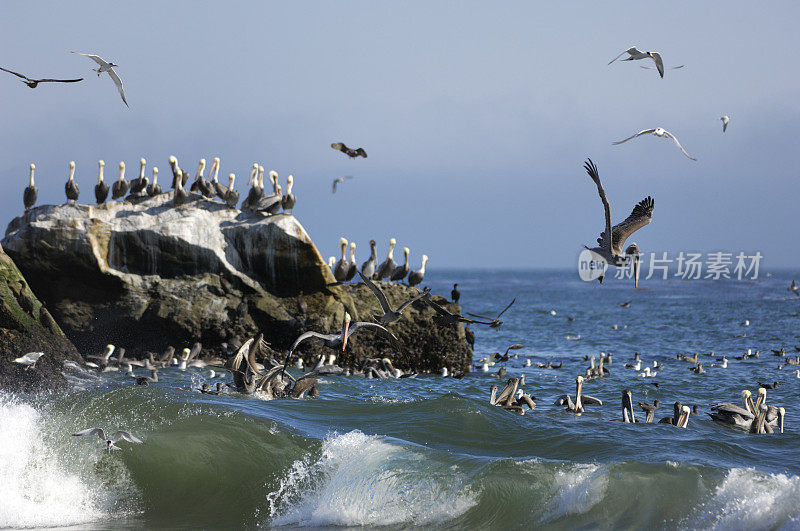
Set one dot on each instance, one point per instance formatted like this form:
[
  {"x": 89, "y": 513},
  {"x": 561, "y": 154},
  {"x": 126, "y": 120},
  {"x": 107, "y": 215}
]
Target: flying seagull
[
  {"x": 109, "y": 69},
  {"x": 670, "y": 68},
  {"x": 119, "y": 434},
  {"x": 612, "y": 239},
  {"x": 635, "y": 54},
  {"x": 725, "y": 121},
  {"x": 350, "y": 152},
  {"x": 29, "y": 359},
  {"x": 32, "y": 83},
  {"x": 340, "y": 180},
  {"x": 659, "y": 132}
]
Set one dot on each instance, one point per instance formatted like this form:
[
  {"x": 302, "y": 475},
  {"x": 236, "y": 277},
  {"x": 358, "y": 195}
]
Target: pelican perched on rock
[
  {"x": 612, "y": 239},
  {"x": 659, "y": 132},
  {"x": 388, "y": 265},
  {"x": 181, "y": 195},
  {"x": 200, "y": 184},
  {"x": 352, "y": 268},
  {"x": 400, "y": 272},
  {"x": 139, "y": 185},
  {"x": 368, "y": 267},
  {"x": 218, "y": 188},
  {"x": 154, "y": 189},
  {"x": 289, "y": 199},
  {"x": 101, "y": 188},
  {"x": 231, "y": 196},
  {"x": 389, "y": 314},
  {"x": 415, "y": 276},
  {"x": 342, "y": 266},
  {"x": 255, "y": 192},
  {"x": 634, "y": 54},
  {"x": 109, "y": 442},
  {"x": 121, "y": 186},
  {"x": 725, "y": 121},
  {"x": 71, "y": 188},
  {"x": 31, "y": 192}
]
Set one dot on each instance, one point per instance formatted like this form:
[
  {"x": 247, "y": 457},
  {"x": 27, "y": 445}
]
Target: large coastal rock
[
  {"x": 27, "y": 326},
  {"x": 146, "y": 275}
]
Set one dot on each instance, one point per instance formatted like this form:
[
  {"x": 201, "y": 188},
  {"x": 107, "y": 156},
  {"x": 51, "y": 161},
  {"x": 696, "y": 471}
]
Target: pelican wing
[
  {"x": 413, "y": 300},
  {"x": 354, "y": 327},
  {"x": 339, "y": 146},
  {"x": 631, "y": 51},
  {"x": 378, "y": 294},
  {"x": 118, "y": 83},
  {"x": 315, "y": 335},
  {"x": 507, "y": 307},
  {"x": 167, "y": 356},
  {"x": 670, "y": 135},
  {"x": 125, "y": 436},
  {"x": 641, "y": 215},
  {"x": 727, "y": 407},
  {"x": 96, "y": 58},
  {"x": 640, "y": 133},
  {"x": 659, "y": 63},
  {"x": 48, "y": 80},
  {"x": 239, "y": 357},
  {"x": 591, "y": 169},
  {"x": 91, "y": 431},
  {"x": 302, "y": 385},
  {"x": 16, "y": 74},
  {"x": 652, "y": 67}
]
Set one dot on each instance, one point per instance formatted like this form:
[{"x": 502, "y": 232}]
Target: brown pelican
[
  {"x": 659, "y": 132},
  {"x": 415, "y": 276},
  {"x": 443, "y": 317},
  {"x": 495, "y": 322},
  {"x": 200, "y": 185},
  {"x": 729, "y": 413},
  {"x": 31, "y": 192},
  {"x": 368, "y": 267},
  {"x": 627, "y": 407},
  {"x": 649, "y": 410},
  {"x": 289, "y": 199},
  {"x": 335, "y": 341},
  {"x": 634, "y": 54},
  {"x": 352, "y": 153},
  {"x": 580, "y": 399},
  {"x": 120, "y": 187},
  {"x": 109, "y": 69},
  {"x": 389, "y": 314},
  {"x": 101, "y": 188},
  {"x": 613, "y": 238},
  {"x": 218, "y": 188},
  {"x": 388, "y": 265},
  {"x": 342, "y": 267},
  {"x": 71, "y": 187},
  {"x": 231, "y": 196},
  {"x": 352, "y": 268},
  {"x": 680, "y": 416},
  {"x": 455, "y": 295},
  {"x": 138, "y": 185},
  {"x": 33, "y": 83},
  {"x": 154, "y": 189},
  {"x": 271, "y": 203},
  {"x": 177, "y": 173},
  {"x": 255, "y": 192},
  {"x": 400, "y": 272},
  {"x": 118, "y": 435},
  {"x": 180, "y": 192},
  {"x": 725, "y": 121},
  {"x": 29, "y": 360},
  {"x": 340, "y": 180}
]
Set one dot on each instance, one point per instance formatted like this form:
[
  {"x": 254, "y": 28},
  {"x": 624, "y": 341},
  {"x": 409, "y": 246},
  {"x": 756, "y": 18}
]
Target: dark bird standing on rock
[
  {"x": 180, "y": 192},
  {"x": 352, "y": 268},
  {"x": 401, "y": 271},
  {"x": 139, "y": 184},
  {"x": 352, "y": 153},
  {"x": 33, "y": 83},
  {"x": 368, "y": 267},
  {"x": 469, "y": 335},
  {"x": 388, "y": 265},
  {"x": 31, "y": 192},
  {"x": 101, "y": 188},
  {"x": 154, "y": 189},
  {"x": 71, "y": 188},
  {"x": 455, "y": 294},
  {"x": 121, "y": 186},
  {"x": 342, "y": 266},
  {"x": 289, "y": 199},
  {"x": 231, "y": 196},
  {"x": 416, "y": 276}
]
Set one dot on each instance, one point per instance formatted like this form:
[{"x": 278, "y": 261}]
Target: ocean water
[{"x": 431, "y": 451}]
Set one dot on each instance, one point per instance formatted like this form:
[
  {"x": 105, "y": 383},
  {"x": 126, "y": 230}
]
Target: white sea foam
[
  {"x": 576, "y": 489},
  {"x": 749, "y": 499},
  {"x": 364, "y": 480}
]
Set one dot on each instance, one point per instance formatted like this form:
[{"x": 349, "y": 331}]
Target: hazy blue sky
[{"x": 477, "y": 116}]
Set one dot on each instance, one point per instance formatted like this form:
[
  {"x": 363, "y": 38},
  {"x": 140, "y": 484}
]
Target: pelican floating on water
[
  {"x": 31, "y": 192},
  {"x": 659, "y": 132},
  {"x": 580, "y": 399}
]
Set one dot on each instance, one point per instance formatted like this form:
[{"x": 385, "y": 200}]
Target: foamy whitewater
[{"x": 431, "y": 452}]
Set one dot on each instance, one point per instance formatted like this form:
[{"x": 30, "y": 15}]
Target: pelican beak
[
  {"x": 346, "y": 328},
  {"x": 636, "y": 271}
]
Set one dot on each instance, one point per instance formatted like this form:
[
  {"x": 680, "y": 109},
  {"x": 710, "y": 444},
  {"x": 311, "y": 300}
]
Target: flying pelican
[
  {"x": 389, "y": 314},
  {"x": 612, "y": 239},
  {"x": 444, "y": 317},
  {"x": 231, "y": 196},
  {"x": 416, "y": 275},
  {"x": 388, "y": 265},
  {"x": 29, "y": 360},
  {"x": 109, "y": 69},
  {"x": 635, "y": 54},
  {"x": 400, "y": 272},
  {"x": 725, "y": 121},
  {"x": 289, "y": 199},
  {"x": 340, "y": 180},
  {"x": 342, "y": 267},
  {"x": 368, "y": 267},
  {"x": 101, "y": 188},
  {"x": 495, "y": 322},
  {"x": 71, "y": 187},
  {"x": 352, "y": 153},
  {"x": 31, "y": 192},
  {"x": 659, "y": 132},
  {"x": 120, "y": 188},
  {"x": 335, "y": 341},
  {"x": 32, "y": 83},
  {"x": 118, "y": 435},
  {"x": 352, "y": 268},
  {"x": 154, "y": 189}
]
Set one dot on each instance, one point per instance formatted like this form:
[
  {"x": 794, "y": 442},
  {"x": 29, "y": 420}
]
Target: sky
[{"x": 477, "y": 117}]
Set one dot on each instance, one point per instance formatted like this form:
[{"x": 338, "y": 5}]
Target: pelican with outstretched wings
[
  {"x": 659, "y": 132},
  {"x": 33, "y": 83},
  {"x": 612, "y": 239}
]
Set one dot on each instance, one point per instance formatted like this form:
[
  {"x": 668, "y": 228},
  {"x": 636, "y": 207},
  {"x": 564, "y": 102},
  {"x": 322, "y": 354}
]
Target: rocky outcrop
[
  {"x": 27, "y": 326},
  {"x": 146, "y": 275}
]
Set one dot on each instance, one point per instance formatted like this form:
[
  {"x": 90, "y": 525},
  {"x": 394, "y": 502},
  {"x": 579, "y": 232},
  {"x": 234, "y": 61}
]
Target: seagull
[
  {"x": 659, "y": 132},
  {"x": 671, "y": 67},
  {"x": 635, "y": 54},
  {"x": 108, "y": 68},
  {"x": 340, "y": 180},
  {"x": 725, "y": 121},
  {"x": 613, "y": 238},
  {"x": 791, "y": 289},
  {"x": 29, "y": 359},
  {"x": 119, "y": 434},
  {"x": 33, "y": 83},
  {"x": 350, "y": 152}
]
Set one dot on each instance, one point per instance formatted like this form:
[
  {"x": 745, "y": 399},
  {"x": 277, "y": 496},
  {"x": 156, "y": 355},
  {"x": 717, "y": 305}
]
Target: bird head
[
  {"x": 231, "y": 178},
  {"x": 345, "y": 328}
]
